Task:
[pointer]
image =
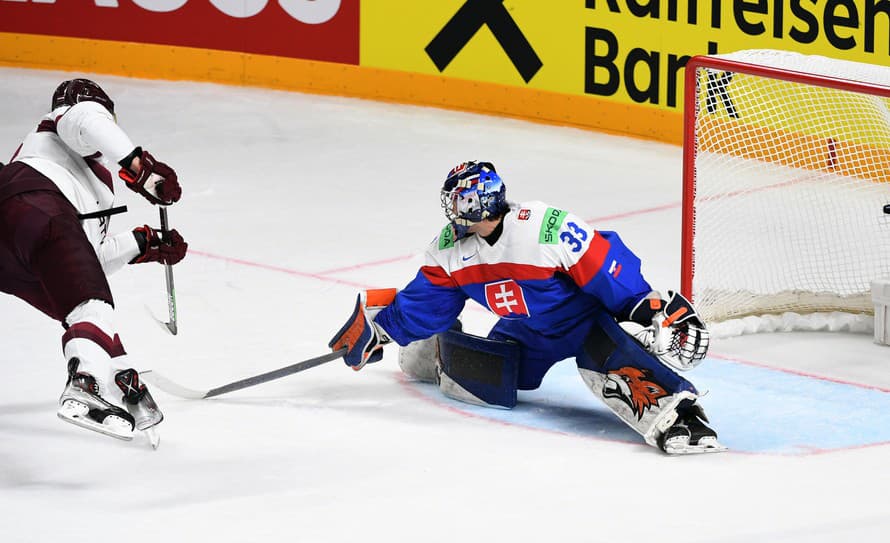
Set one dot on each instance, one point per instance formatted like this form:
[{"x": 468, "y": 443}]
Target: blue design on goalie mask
[{"x": 472, "y": 192}]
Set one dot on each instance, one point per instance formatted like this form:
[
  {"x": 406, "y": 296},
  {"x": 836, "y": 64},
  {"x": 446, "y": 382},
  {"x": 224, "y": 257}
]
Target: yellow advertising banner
[
  {"x": 611, "y": 65},
  {"x": 627, "y": 51}
]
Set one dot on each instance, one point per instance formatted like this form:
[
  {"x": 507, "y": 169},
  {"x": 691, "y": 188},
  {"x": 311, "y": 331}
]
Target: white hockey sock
[{"x": 91, "y": 338}]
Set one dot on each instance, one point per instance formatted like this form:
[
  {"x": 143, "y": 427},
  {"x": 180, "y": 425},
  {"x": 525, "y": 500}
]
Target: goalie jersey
[{"x": 544, "y": 276}]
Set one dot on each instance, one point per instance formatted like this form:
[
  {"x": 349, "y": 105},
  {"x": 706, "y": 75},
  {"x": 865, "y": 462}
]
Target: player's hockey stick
[
  {"x": 154, "y": 378},
  {"x": 171, "y": 291}
]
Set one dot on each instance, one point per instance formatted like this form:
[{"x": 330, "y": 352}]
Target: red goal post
[{"x": 786, "y": 171}]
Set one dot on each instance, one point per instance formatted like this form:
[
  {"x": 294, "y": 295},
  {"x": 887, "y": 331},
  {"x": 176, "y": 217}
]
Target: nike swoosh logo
[{"x": 469, "y": 257}]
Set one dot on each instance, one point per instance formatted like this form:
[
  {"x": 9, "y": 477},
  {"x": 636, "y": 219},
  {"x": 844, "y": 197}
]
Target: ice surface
[{"x": 291, "y": 204}]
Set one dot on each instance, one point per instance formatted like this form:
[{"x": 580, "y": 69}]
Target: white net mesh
[{"x": 790, "y": 180}]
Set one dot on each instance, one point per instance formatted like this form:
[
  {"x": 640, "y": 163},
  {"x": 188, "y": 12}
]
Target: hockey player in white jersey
[
  {"x": 560, "y": 290},
  {"x": 56, "y": 201}
]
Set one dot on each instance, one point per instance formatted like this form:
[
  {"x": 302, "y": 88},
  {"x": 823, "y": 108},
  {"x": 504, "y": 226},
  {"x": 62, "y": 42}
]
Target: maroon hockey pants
[{"x": 45, "y": 256}]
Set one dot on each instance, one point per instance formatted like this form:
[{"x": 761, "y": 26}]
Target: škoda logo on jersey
[
  {"x": 553, "y": 219},
  {"x": 446, "y": 237},
  {"x": 505, "y": 298}
]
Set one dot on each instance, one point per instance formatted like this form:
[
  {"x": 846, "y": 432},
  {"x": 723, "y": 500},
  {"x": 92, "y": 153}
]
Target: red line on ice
[
  {"x": 324, "y": 275},
  {"x": 281, "y": 269}
]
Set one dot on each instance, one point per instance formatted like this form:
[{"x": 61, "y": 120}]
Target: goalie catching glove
[
  {"x": 672, "y": 330},
  {"x": 361, "y": 336}
]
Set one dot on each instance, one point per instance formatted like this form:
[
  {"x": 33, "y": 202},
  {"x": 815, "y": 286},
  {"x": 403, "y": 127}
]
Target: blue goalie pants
[{"x": 632, "y": 382}]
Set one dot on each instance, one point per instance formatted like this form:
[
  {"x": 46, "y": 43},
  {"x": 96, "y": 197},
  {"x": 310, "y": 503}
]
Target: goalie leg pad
[
  {"x": 419, "y": 359},
  {"x": 477, "y": 370},
  {"x": 632, "y": 383}
]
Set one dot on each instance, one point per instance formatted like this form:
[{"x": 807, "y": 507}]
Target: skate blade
[
  {"x": 154, "y": 438},
  {"x": 683, "y": 447},
  {"x": 78, "y": 414}
]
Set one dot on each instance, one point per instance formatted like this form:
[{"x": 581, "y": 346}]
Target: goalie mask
[
  {"x": 75, "y": 91},
  {"x": 473, "y": 192}
]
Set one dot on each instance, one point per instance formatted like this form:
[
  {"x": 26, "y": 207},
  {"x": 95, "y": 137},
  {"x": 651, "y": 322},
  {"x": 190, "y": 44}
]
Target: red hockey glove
[
  {"x": 361, "y": 336},
  {"x": 169, "y": 251},
  {"x": 156, "y": 181}
]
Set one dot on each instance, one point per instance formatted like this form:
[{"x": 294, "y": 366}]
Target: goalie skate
[
  {"x": 690, "y": 435},
  {"x": 81, "y": 405}
]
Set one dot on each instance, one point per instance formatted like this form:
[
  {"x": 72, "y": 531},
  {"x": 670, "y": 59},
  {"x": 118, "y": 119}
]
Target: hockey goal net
[{"x": 786, "y": 173}]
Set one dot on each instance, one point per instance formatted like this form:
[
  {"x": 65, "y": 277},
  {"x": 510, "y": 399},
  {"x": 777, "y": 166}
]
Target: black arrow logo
[
  {"x": 472, "y": 16},
  {"x": 716, "y": 90}
]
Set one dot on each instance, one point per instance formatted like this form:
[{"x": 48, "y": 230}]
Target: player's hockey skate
[
  {"x": 140, "y": 404},
  {"x": 82, "y": 405},
  {"x": 689, "y": 434},
  {"x": 138, "y": 400}
]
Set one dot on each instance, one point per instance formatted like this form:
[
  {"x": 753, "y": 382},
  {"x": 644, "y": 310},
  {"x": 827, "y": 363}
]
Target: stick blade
[
  {"x": 156, "y": 379},
  {"x": 169, "y": 327}
]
